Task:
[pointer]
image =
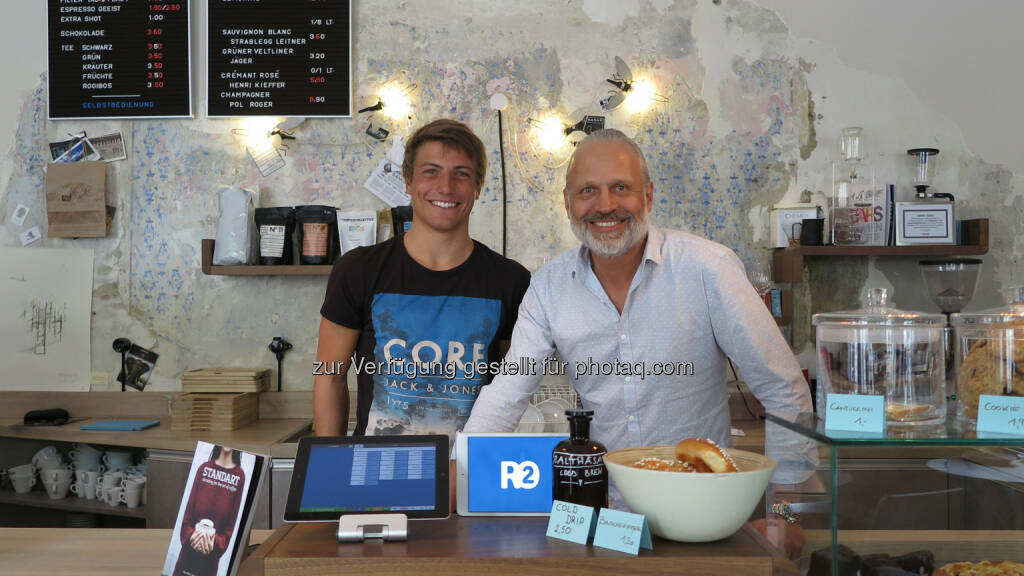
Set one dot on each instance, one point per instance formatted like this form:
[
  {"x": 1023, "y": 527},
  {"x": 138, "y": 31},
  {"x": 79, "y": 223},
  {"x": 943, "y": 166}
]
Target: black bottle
[{"x": 578, "y": 463}]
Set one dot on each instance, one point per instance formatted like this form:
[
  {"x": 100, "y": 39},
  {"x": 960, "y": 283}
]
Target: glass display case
[{"x": 906, "y": 502}]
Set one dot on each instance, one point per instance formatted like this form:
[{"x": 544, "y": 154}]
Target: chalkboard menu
[
  {"x": 279, "y": 58},
  {"x": 119, "y": 59}
]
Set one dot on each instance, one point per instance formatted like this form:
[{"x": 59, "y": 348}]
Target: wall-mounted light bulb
[
  {"x": 550, "y": 132},
  {"x": 255, "y": 132},
  {"x": 641, "y": 96},
  {"x": 396, "y": 102}
]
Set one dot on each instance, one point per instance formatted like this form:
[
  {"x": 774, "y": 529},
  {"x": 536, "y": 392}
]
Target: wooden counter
[
  {"x": 499, "y": 546},
  {"x": 85, "y": 407},
  {"x": 87, "y": 552},
  {"x": 256, "y": 437}
]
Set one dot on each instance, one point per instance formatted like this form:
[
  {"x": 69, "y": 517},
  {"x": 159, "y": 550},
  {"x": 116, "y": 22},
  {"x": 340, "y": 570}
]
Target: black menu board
[
  {"x": 279, "y": 58},
  {"x": 119, "y": 59}
]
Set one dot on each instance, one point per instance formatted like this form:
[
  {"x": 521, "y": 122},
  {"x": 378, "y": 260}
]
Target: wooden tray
[
  {"x": 225, "y": 380},
  {"x": 214, "y": 411}
]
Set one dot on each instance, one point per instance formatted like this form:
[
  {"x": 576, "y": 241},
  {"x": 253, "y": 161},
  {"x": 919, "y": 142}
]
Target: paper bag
[{"x": 76, "y": 194}]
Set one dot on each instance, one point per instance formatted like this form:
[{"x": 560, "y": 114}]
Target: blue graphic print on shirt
[{"x": 423, "y": 347}]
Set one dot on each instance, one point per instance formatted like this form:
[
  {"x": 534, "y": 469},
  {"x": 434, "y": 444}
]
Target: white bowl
[{"x": 690, "y": 506}]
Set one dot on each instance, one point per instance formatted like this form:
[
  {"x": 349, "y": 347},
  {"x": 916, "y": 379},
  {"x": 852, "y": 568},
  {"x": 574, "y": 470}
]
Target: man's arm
[
  {"x": 747, "y": 333},
  {"x": 501, "y": 403},
  {"x": 330, "y": 392}
]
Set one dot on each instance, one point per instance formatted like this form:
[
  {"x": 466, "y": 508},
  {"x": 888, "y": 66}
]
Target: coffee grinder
[{"x": 951, "y": 283}]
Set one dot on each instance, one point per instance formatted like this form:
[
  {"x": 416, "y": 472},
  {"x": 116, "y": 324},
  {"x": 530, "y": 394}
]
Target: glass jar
[
  {"x": 884, "y": 351},
  {"x": 989, "y": 353}
]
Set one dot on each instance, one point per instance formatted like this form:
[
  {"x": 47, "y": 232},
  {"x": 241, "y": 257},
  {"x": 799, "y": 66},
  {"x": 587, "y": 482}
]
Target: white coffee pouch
[{"x": 357, "y": 228}]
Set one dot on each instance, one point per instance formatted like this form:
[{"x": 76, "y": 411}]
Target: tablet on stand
[{"x": 370, "y": 485}]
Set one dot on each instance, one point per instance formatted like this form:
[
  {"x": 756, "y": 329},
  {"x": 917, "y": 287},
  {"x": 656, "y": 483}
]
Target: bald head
[{"x": 608, "y": 135}]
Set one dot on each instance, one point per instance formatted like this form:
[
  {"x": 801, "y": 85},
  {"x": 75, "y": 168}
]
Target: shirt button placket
[{"x": 628, "y": 384}]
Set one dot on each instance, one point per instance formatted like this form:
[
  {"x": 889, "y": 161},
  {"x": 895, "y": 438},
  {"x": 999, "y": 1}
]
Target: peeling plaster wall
[{"x": 751, "y": 117}]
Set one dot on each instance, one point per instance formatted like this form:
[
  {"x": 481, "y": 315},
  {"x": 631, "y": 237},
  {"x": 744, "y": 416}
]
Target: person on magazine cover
[{"x": 209, "y": 520}]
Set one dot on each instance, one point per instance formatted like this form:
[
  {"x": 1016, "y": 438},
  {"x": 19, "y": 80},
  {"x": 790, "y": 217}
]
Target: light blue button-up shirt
[{"x": 656, "y": 373}]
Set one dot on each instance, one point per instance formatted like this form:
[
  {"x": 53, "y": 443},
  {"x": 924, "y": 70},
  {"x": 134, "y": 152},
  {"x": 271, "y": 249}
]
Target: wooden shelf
[
  {"x": 39, "y": 499},
  {"x": 256, "y": 270},
  {"x": 788, "y": 263}
]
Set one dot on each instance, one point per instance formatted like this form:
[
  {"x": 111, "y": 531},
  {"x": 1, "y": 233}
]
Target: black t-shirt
[{"x": 424, "y": 333}]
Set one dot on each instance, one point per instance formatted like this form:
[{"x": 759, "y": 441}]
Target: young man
[
  {"x": 644, "y": 318},
  {"x": 421, "y": 310}
]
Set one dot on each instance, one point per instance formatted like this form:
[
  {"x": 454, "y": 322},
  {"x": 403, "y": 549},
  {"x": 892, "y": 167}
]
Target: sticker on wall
[
  {"x": 29, "y": 236},
  {"x": 18, "y": 218}
]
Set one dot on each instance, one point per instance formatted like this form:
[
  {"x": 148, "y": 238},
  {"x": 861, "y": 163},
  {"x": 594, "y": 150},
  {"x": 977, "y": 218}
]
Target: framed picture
[{"x": 921, "y": 223}]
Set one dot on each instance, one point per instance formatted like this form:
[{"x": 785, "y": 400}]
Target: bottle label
[{"x": 579, "y": 469}]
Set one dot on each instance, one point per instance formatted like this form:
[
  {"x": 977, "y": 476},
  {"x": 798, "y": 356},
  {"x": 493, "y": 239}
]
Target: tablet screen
[{"x": 367, "y": 475}]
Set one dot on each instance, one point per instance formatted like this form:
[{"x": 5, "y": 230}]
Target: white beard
[{"x": 612, "y": 246}]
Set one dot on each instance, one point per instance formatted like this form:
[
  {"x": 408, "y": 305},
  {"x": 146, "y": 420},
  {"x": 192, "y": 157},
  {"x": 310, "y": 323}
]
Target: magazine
[{"x": 212, "y": 528}]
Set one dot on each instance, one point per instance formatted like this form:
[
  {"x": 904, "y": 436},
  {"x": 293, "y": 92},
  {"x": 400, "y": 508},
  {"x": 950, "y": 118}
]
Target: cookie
[{"x": 977, "y": 376}]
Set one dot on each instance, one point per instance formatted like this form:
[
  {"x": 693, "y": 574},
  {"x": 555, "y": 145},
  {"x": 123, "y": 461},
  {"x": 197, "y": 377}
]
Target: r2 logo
[{"x": 522, "y": 474}]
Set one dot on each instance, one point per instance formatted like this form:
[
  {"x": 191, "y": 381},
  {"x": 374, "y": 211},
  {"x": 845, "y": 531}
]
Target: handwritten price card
[
  {"x": 855, "y": 413},
  {"x": 571, "y": 522},
  {"x": 622, "y": 531},
  {"x": 1003, "y": 414}
]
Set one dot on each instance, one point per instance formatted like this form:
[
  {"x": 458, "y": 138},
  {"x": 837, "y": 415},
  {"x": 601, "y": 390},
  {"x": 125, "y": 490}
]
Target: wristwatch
[{"x": 785, "y": 511}]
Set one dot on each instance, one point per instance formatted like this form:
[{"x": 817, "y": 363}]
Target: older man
[{"x": 644, "y": 318}]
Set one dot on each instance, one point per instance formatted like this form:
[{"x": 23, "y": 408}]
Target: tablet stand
[{"x": 359, "y": 527}]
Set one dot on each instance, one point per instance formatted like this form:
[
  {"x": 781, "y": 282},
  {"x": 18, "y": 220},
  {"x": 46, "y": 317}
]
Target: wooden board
[
  {"x": 210, "y": 411},
  {"x": 225, "y": 380}
]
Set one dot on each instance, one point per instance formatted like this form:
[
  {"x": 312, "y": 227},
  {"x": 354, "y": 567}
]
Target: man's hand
[{"x": 788, "y": 537}]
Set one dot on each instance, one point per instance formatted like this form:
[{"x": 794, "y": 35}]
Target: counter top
[
  {"x": 257, "y": 437},
  {"x": 499, "y": 546},
  {"x": 87, "y": 552}
]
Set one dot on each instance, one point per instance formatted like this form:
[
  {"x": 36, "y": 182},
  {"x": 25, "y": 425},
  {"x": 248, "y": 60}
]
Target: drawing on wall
[{"x": 44, "y": 318}]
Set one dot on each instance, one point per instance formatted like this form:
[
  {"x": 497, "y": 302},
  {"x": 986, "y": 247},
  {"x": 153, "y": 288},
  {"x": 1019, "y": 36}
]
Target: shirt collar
[{"x": 652, "y": 251}]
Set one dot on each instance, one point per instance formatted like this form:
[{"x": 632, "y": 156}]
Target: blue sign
[
  {"x": 510, "y": 473},
  {"x": 572, "y": 522},
  {"x": 855, "y": 413},
  {"x": 1003, "y": 414},
  {"x": 622, "y": 531}
]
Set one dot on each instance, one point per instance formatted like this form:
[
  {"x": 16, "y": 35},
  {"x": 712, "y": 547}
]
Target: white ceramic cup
[
  {"x": 111, "y": 479},
  {"x": 57, "y": 490},
  {"x": 134, "y": 483},
  {"x": 114, "y": 495},
  {"x": 56, "y": 475},
  {"x": 98, "y": 468},
  {"x": 132, "y": 497},
  {"x": 22, "y": 470},
  {"x": 23, "y": 484},
  {"x": 117, "y": 459},
  {"x": 88, "y": 489}
]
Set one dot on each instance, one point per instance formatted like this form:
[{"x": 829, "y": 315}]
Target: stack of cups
[
  {"x": 22, "y": 477},
  {"x": 54, "y": 473},
  {"x": 87, "y": 462},
  {"x": 57, "y": 481},
  {"x": 134, "y": 488}
]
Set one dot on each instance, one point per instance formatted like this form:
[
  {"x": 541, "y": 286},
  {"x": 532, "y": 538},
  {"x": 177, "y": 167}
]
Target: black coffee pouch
[
  {"x": 401, "y": 218},
  {"x": 274, "y": 227},
  {"x": 317, "y": 229}
]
